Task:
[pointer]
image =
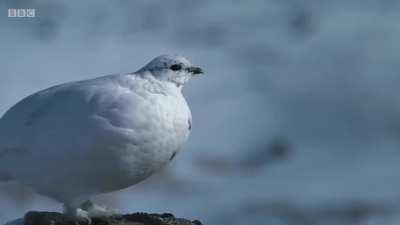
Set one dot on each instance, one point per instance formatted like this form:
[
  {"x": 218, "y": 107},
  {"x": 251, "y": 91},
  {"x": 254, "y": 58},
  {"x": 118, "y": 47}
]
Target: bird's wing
[
  {"x": 64, "y": 120},
  {"x": 24, "y": 122}
]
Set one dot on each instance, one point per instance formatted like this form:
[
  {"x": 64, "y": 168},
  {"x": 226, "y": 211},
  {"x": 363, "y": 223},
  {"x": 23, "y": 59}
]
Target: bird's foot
[
  {"x": 96, "y": 211},
  {"x": 80, "y": 216}
]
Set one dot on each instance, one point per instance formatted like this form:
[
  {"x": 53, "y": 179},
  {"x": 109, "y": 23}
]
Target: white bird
[{"x": 79, "y": 139}]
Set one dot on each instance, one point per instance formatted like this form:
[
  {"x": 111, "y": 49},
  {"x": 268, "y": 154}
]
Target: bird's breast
[{"x": 153, "y": 131}]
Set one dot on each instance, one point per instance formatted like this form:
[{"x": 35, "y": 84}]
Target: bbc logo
[{"x": 21, "y": 12}]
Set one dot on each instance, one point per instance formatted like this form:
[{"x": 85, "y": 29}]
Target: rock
[{"x": 54, "y": 218}]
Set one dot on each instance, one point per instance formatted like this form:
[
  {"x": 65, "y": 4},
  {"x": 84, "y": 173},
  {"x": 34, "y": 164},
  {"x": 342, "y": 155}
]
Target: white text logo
[{"x": 21, "y": 12}]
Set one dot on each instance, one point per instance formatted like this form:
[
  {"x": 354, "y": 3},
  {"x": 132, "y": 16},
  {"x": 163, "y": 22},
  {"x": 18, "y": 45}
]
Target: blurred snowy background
[{"x": 296, "y": 122}]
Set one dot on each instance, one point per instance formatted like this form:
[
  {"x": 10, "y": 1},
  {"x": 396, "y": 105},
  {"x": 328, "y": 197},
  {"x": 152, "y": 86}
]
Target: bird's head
[{"x": 173, "y": 68}]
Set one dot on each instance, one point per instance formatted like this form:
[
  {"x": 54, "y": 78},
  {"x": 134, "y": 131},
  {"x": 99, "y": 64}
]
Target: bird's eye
[{"x": 176, "y": 67}]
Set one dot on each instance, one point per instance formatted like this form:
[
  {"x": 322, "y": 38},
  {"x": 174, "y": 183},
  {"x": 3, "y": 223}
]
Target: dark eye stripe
[{"x": 176, "y": 67}]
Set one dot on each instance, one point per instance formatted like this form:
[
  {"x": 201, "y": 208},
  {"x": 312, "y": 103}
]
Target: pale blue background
[{"x": 296, "y": 122}]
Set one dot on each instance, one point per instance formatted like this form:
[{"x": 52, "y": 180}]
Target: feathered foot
[
  {"x": 78, "y": 215},
  {"x": 95, "y": 211}
]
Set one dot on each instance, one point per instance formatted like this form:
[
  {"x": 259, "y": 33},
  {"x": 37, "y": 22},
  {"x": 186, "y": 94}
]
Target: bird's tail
[{"x": 5, "y": 177}]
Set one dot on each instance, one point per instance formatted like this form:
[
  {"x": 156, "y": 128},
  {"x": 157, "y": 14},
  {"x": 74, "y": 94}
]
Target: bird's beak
[{"x": 195, "y": 70}]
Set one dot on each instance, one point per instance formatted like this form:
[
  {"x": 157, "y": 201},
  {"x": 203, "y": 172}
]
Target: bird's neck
[
  {"x": 164, "y": 85},
  {"x": 164, "y": 80}
]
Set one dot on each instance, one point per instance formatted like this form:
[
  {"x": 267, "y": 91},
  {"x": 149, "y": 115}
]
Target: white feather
[{"x": 79, "y": 139}]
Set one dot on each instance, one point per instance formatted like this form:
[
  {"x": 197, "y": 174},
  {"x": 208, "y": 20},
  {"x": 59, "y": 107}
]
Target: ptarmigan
[{"x": 75, "y": 140}]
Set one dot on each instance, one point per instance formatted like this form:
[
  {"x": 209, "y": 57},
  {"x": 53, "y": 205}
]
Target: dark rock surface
[{"x": 54, "y": 218}]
